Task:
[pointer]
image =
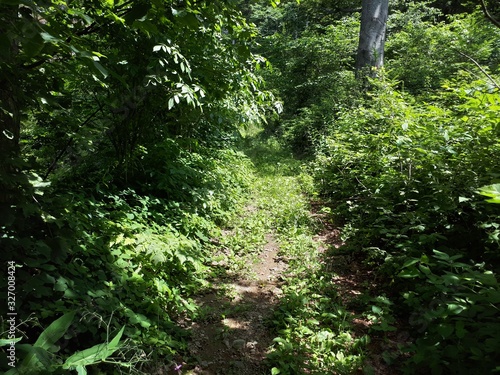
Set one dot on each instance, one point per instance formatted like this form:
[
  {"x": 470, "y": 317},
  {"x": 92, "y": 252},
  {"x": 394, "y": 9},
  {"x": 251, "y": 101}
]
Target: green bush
[
  {"x": 403, "y": 177},
  {"x": 132, "y": 256}
]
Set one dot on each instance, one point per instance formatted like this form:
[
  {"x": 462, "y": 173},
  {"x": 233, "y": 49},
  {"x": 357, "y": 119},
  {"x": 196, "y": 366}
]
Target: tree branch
[
  {"x": 70, "y": 141},
  {"x": 495, "y": 83},
  {"x": 488, "y": 14}
]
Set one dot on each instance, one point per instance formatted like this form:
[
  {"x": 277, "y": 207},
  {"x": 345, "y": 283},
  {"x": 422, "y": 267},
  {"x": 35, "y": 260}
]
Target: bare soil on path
[
  {"x": 234, "y": 332},
  {"x": 234, "y": 336}
]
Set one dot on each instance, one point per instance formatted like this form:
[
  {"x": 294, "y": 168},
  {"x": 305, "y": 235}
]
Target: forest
[{"x": 250, "y": 187}]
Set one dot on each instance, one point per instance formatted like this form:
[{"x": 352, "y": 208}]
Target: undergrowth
[
  {"x": 313, "y": 330},
  {"x": 108, "y": 260}
]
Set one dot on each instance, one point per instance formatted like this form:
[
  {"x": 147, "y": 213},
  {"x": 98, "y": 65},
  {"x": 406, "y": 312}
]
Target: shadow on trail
[{"x": 232, "y": 333}]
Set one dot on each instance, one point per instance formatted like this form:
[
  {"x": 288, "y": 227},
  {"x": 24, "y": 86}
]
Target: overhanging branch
[{"x": 488, "y": 14}]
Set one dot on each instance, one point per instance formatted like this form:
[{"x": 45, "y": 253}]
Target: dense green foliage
[
  {"x": 125, "y": 114},
  {"x": 120, "y": 122},
  {"x": 402, "y": 165}
]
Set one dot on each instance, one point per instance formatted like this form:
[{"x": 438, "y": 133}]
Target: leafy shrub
[
  {"x": 454, "y": 308},
  {"x": 422, "y": 70},
  {"x": 404, "y": 176},
  {"x": 131, "y": 256}
]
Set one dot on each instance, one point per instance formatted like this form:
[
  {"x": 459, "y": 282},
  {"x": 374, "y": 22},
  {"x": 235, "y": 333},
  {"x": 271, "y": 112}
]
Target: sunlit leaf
[{"x": 492, "y": 191}]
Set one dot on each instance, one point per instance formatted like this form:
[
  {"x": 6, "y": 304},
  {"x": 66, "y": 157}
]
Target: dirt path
[
  {"x": 321, "y": 305},
  {"x": 234, "y": 336}
]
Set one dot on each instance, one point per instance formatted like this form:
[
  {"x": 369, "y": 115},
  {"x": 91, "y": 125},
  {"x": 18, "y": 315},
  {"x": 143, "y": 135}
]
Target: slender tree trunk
[{"x": 372, "y": 35}]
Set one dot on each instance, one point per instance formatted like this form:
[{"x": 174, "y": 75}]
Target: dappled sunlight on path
[{"x": 234, "y": 335}]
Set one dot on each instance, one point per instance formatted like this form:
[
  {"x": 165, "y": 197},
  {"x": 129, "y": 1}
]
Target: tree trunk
[{"x": 372, "y": 36}]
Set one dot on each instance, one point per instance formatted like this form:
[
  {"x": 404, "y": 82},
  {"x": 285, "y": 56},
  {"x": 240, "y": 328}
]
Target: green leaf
[
  {"x": 101, "y": 69},
  {"x": 275, "y": 371},
  {"x": 440, "y": 255},
  {"x": 54, "y": 331},
  {"x": 49, "y": 38},
  {"x": 477, "y": 352},
  {"x": 424, "y": 269},
  {"x": 460, "y": 329},
  {"x": 492, "y": 191},
  {"x": 445, "y": 330},
  {"x": 33, "y": 46},
  {"x": 451, "y": 279},
  {"x": 409, "y": 273},
  {"x": 455, "y": 309},
  {"x": 116, "y": 340},
  {"x": 376, "y": 309},
  {"x": 5, "y": 342},
  {"x": 95, "y": 354},
  {"x": 410, "y": 262}
]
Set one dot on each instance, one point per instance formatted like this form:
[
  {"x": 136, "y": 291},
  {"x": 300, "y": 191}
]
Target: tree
[
  {"x": 100, "y": 70},
  {"x": 372, "y": 34}
]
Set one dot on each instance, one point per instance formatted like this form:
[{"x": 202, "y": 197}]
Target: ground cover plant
[{"x": 313, "y": 328}]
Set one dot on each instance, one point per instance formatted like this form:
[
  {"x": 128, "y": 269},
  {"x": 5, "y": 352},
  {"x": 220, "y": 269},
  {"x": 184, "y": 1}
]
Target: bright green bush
[
  {"x": 422, "y": 53},
  {"x": 403, "y": 177}
]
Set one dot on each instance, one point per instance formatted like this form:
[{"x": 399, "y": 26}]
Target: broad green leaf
[
  {"x": 116, "y": 340},
  {"x": 409, "y": 273},
  {"x": 101, "y": 69},
  {"x": 492, "y": 191},
  {"x": 49, "y": 38},
  {"x": 6, "y": 342},
  {"x": 410, "y": 262},
  {"x": 95, "y": 354},
  {"x": 424, "y": 269},
  {"x": 275, "y": 371},
  {"x": 445, "y": 330},
  {"x": 451, "y": 279},
  {"x": 33, "y": 46},
  {"x": 440, "y": 255},
  {"x": 460, "y": 330},
  {"x": 54, "y": 331},
  {"x": 455, "y": 309},
  {"x": 86, "y": 357},
  {"x": 376, "y": 309}
]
